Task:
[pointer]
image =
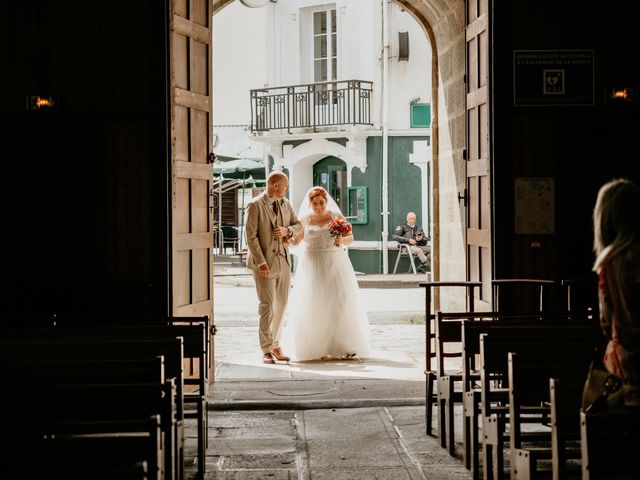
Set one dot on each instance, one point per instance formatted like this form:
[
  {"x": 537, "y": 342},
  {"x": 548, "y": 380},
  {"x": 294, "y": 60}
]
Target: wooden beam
[
  {"x": 480, "y": 238},
  {"x": 478, "y": 168},
  {"x": 477, "y": 26},
  {"x": 188, "y": 99},
  {"x": 196, "y": 309},
  {"x": 192, "y": 30},
  {"x": 477, "y": 97},
  {"x": 199, "y": 171},
  {"x": 193, "y": 241}
]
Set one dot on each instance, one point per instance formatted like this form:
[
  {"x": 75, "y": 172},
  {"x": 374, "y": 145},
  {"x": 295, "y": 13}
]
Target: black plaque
[{"x": 552, "y": 77}]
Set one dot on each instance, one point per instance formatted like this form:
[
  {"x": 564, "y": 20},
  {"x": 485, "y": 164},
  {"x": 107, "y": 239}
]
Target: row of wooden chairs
[
  {"x": 517, "y": 369},
  {"x": 576, "y": 299},
  {"x": 78, "y": 391},
  {"x": 481, "y": 386}
]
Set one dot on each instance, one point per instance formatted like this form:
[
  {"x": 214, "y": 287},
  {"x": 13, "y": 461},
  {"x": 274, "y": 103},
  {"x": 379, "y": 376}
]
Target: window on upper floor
[{"x": 325, "y": 45}]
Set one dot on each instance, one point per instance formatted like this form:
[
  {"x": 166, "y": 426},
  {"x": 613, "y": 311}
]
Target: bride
[{"x": 327, "y": 318}]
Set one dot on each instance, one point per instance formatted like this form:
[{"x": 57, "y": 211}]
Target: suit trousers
[
  {"x": 423, "y": 252},
  {"x": 273, "y": 294}
]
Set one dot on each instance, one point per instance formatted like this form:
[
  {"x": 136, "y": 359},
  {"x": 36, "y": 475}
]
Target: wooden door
[
  {"x": 191, "y": 172},
  {"x": 478, "y": 194}
]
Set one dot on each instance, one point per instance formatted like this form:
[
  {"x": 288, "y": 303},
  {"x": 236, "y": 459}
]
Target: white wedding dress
[{"x": 326, "y": 315}]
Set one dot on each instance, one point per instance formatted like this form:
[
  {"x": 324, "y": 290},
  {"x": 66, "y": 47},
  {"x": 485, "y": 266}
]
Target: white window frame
[{"x": 312, "y": 35}]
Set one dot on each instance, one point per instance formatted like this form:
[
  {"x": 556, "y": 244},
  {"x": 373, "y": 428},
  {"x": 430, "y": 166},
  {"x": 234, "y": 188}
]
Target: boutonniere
[{"x": 282, "y": 200}]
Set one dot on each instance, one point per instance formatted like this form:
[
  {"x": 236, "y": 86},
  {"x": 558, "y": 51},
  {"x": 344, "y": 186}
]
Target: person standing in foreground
[
  {"x": 271, "y": 224},
  {"x": 617, "y": 247}
]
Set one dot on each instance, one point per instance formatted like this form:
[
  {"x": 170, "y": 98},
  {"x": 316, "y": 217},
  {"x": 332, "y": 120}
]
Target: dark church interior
[{"x": 89, "y": 241}]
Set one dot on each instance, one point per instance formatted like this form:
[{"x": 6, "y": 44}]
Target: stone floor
[
  {"x": 344, "y": 419},
  {"x": 329, "y": 443}
]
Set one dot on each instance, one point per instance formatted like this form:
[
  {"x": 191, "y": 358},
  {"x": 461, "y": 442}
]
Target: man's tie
[{"x": 276, "y": 210}]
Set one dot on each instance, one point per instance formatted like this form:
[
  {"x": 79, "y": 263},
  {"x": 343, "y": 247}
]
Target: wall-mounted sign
[
  {"x": 535, "y": 207},
  {"x": 357, "y": 205},
  {"x": 553, "y": 77}
]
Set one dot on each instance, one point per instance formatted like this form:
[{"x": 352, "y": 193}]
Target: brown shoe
[
  {"x": 268, "y": 358},
  {"x": 277, "y": 353}
]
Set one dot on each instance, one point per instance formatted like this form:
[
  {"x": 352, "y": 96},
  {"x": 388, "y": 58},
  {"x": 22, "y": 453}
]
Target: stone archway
[
  {"x": 443, "y": 22},
  {"x": 299, "y": 161}
]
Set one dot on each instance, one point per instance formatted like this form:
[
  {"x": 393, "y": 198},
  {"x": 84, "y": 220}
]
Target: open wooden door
[
  {"x": 478, "y": 151},
  {"x": 191, "y": 172}
]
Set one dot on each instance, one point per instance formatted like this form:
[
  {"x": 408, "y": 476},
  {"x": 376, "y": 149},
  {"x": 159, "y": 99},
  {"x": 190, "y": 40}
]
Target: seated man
[{"x": 414, "y": 236}]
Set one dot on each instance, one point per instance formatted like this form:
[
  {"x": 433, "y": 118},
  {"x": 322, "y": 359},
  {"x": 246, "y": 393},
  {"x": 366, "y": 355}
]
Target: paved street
[{"x": 351, "y": 419}]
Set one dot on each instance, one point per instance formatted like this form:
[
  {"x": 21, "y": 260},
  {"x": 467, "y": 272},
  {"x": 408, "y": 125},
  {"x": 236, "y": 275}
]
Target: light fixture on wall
[
  {"x": 40, "y": 102},
  {"x": 621, "y": 95}
]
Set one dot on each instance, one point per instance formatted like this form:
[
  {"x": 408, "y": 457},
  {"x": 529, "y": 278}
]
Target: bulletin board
[{"x": 535, "y": 206}]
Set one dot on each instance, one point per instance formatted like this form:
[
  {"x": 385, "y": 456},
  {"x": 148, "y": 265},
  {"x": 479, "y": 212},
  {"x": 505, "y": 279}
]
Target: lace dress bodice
[{"x": 318, "y": 238}]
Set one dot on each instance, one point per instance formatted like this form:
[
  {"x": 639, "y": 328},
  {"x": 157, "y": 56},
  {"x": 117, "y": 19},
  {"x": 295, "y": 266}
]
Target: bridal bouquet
[{"x": 339, "y": 228}]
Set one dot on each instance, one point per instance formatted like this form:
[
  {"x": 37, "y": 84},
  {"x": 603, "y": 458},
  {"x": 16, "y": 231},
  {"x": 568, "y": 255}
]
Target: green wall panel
[
  {"x": 405, "y": 193},
  {"x": 366, "y": 261},
  {"x": 371, "y": 178}
]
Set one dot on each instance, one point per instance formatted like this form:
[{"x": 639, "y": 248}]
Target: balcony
[{"x": 311, "y": 106}]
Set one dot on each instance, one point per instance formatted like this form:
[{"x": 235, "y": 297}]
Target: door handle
[{"x": 463, "y": 197}]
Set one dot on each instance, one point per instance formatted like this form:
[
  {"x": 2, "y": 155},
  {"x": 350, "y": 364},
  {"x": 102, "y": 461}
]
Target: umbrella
[{"x": 241, "y": 168}]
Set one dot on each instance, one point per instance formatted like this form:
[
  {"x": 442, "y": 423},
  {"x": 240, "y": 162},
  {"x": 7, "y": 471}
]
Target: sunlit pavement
[{"x": 340, "y": 419}]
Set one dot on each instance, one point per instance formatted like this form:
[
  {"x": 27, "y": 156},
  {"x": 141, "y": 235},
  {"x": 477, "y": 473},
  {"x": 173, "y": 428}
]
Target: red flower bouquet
[{"x": 339, "y": 228}]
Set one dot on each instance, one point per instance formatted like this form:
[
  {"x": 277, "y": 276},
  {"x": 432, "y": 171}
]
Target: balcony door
[{"x": 324, "y": 43}]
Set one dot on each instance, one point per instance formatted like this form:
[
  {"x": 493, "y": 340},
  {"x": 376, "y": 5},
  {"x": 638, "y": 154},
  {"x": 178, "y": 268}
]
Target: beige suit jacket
[{"x": 260, "y": 222}]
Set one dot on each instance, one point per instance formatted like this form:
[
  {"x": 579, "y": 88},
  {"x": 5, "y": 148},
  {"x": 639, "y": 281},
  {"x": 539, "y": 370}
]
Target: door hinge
[
  {"x": 464, "y": 154},
  {"x": 213, "y": 330},
  {"x": 212, "y": 157},
  {"x": 463, "y": 197}
]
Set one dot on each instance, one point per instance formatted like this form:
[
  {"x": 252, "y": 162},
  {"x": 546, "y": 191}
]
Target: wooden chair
[
  {"x": 430, "y": 351},
  {"x": 565, "y": 398},
  {"x": 582, "y": 295},
  {"x": 610, "y": 443},
  {"x": 529, "y": 378},
  {"x": 81, "y": 349},
  {"x": 95, "y": 403},
  {"x": 194, "y": 335},
  {"x": 105, "y": 449},
  {"x": 494, "y": 350},
  {"x": 527, "y": 293}
]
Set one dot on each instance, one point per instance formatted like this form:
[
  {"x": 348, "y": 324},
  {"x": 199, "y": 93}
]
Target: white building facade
[{"x": 337, "y": 113}]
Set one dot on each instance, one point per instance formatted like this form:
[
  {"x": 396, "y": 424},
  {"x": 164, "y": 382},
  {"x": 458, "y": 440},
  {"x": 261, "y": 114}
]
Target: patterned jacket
[{"x": 405, "y": 232}]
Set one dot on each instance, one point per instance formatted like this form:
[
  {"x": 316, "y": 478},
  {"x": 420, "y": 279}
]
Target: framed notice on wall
[
  {"x": 553, "y": 77},
  {"x": 535, "y": 206}
]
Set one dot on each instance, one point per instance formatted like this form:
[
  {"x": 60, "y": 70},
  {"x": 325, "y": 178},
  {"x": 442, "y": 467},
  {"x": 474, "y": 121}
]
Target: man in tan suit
[{"x": 270, "y": 226}]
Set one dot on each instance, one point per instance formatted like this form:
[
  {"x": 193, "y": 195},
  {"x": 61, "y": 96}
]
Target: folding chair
[{"x": 404, "y": 250}]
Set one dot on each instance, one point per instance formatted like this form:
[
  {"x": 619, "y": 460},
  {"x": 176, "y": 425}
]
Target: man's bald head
[
  {"x": 277, "y": 184},
  {"x": 276, "y": 176}
]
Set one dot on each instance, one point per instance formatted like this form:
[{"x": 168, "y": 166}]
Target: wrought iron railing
[{"x": 313, "y": 105}]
